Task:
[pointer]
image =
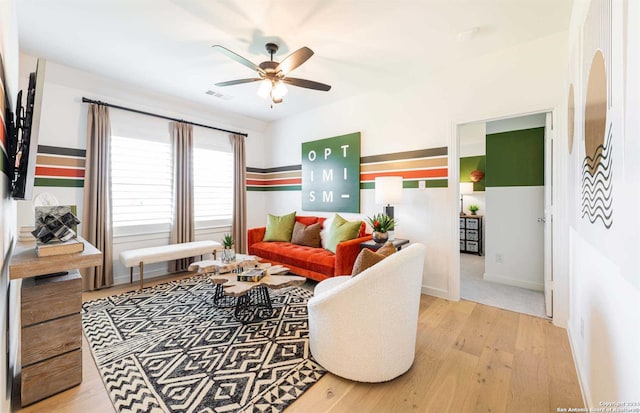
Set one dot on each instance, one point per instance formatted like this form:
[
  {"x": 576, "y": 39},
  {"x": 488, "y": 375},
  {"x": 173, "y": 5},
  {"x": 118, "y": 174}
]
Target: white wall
[
  {"x": 63, "y": 124},
  {"x": 9, "y": 316},
  {"x": 425, "y": 116},
  {"x": 603, "y": 263}
]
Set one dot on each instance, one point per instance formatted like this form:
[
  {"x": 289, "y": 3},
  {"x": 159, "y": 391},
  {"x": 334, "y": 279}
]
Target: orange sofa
[{"x": 315, "y": 263}]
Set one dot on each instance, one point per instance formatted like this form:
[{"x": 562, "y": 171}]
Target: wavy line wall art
[
  {"x": 597, "y": 199},
  {"x": 597, "y": 189}
]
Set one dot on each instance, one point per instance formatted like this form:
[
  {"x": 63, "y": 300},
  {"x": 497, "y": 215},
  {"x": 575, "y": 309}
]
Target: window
[
  {"x": 213, "y": 186},
  {"x": 142, "y": 177},
  {"x": 141, "y": 182}
]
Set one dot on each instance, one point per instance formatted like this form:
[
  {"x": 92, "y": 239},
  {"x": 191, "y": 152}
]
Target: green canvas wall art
[{"x": 331, "y": 174}]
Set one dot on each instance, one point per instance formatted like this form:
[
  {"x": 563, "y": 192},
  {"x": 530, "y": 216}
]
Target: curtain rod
[{"x": 97, "y": 102}]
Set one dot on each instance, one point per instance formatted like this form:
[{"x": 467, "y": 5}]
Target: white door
[{"x": 547, "y": 220}]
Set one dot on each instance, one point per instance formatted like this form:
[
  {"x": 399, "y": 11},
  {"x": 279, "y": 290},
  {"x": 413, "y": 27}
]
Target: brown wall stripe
[
  {"x": 405, "y": 165},
  {"x": 59, "y": 150},
  {"x": 278, "y": 175},
  {"x": 422, "y": 153},
  {"x": 50, "y": 160}
]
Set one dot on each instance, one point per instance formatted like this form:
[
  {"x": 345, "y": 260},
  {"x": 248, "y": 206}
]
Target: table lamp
[{"x": 388, "y": 191}]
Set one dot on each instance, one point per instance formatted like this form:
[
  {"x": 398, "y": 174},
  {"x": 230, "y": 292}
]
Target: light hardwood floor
[{"x": 469, "y": 358}]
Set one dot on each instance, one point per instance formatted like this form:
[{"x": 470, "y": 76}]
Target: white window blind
[
  {"x": 213, "y": 186},
  {"x": 141, "y": 181}
]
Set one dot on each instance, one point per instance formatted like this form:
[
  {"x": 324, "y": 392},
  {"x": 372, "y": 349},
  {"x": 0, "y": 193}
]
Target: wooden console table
[{"x": 51, "y": 325}]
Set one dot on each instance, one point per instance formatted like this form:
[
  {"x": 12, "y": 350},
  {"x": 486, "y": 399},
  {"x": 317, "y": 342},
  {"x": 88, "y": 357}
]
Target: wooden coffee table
[
  {"x": 252, "y": 301},
  {"x": 218, "y": 266}
]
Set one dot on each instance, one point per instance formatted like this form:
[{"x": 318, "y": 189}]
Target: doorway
[{"x": 511, "y": 268}]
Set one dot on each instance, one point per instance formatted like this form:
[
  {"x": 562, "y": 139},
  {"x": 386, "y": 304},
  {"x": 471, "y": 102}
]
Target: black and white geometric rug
[{"x": 168, "y": 349}]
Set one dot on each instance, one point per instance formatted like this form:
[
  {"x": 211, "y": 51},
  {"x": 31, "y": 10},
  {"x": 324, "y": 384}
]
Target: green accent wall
[
  {"x": 515, "y": 158},
  {"x": 471, "y": 163}
]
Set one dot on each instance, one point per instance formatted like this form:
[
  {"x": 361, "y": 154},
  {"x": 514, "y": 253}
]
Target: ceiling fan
[{"x": 273, "y": 74}]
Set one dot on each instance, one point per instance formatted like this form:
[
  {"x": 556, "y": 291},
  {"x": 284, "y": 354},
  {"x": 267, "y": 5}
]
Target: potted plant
[
  {"x": 474, "y": 209},
  {"x": 228, "y": 253},
  {"x": 381, "y": 225}
]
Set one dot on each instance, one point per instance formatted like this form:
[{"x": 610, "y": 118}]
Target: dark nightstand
[{"x": 372, "y": 245}]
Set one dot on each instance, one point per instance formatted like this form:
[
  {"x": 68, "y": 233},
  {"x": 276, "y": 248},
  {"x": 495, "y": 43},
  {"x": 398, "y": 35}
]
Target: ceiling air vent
[{"x": 218, "y": 95}]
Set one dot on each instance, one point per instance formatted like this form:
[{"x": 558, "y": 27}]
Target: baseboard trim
[
  {"x": 513, "y": 282},
  {"x": 436, "y": 292},
  {"x": 586, "y": 399}
]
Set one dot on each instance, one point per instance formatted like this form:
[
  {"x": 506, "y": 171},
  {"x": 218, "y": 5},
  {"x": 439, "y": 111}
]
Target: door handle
[{"x": 542, "y": 220}]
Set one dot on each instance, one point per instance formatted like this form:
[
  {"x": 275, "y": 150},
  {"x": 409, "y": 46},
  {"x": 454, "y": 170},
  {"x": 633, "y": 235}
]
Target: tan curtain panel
[
  {"x": 183, "y": 228},
  {"x": 96, "y": 221},
  {"x": 239, "y": 220}
]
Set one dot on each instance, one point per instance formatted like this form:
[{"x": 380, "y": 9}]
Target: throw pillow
[
  {"x": 308, "y": 235},
  {"x": 324, "y": 234},
  {"x": 279, "y": 228},
  {"x": 364, "y": 260},
  {"x": 368, "y": 258},
  {"x": 341, "y": 230},
  {"x": 387, "y": 249}
]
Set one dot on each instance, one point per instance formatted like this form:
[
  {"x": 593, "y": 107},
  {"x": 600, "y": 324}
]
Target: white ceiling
[{"x": 165, "y": 45}]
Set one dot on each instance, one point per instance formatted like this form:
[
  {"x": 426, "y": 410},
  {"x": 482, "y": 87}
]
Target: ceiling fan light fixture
[
  {"x": 265, "y": 89},
  {"x": 279, "y": 90},
  {"x": 272, "y": 74}
]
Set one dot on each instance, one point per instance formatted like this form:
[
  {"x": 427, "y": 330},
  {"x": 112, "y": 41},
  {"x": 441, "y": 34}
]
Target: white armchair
[{"x": 364, "y": 328}]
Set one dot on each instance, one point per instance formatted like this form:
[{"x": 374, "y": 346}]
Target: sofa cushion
[
  {"x": 314, "y": 259},
  {"x": 368, "y": 258},
  {"x": 279, "y": 228},
  {"x": 341, "y": 230},
  {"x": 308, "y": 235}
]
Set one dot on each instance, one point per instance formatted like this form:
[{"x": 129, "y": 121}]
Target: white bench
[{"x": 151, "y": 255}]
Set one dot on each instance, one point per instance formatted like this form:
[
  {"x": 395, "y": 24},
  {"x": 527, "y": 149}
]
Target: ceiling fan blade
[
  {"x": 238, "y": 82},
  {"x": 294, "y": 60},
  {"x": 309, "y": 84},
  {"x": 235, "y": 56}
]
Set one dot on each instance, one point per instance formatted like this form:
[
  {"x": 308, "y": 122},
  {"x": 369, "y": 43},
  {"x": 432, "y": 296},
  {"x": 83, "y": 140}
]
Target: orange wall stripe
[
  {"x": 294, "y": 181},
  {"x": 46, "y": 171},
  {"x": 425, "y": 173}
]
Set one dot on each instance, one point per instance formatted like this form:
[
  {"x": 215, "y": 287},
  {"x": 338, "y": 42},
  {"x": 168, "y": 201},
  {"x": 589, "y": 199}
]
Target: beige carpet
[{"x": 474, "y": 288}]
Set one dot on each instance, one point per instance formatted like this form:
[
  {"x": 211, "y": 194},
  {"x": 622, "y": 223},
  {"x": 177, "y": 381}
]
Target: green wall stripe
[
  {"x": 275, "y": 188},
  {"x": 68, "y": 183},
  {"x": 422, "y": 153},
  {"x": 57, "y": 150},
  {"x": 429, "y": 183},
  {"x": 434, "y": 183},
  {"x": 515, "y": 158},
  {"x": 469, "y": 164}
]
